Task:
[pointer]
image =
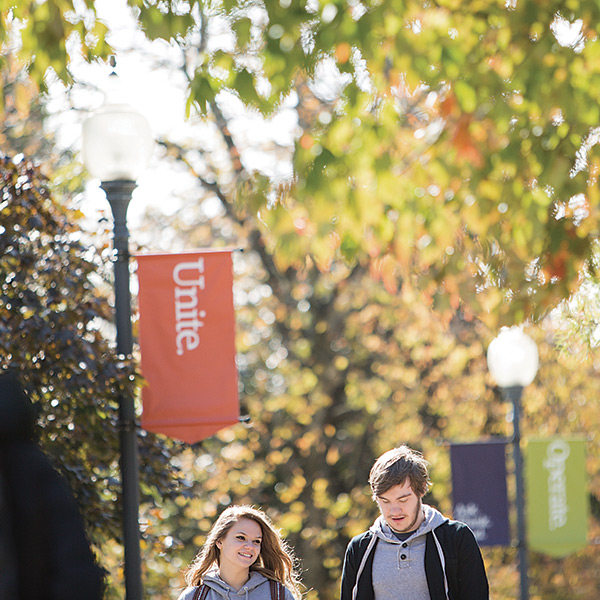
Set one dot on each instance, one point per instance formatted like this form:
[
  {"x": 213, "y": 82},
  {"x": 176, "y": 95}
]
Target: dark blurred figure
[{"x": 44, "y": 551}]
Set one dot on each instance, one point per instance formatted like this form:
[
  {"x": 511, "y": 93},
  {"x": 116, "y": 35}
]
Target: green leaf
[
  {"x": 242, "y": 27},
  {"x": 466, "y": 96},
  {"x": 203, "y": 90},
  {"x": 244, "y": 85}
]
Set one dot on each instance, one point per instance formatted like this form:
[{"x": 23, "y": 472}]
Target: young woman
[{"x": 243, "y": 557}]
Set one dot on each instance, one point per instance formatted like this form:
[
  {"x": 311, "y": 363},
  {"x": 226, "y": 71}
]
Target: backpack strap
[
  {"x": 277, "y": 590},
  {"x": 201, "y": 592}
]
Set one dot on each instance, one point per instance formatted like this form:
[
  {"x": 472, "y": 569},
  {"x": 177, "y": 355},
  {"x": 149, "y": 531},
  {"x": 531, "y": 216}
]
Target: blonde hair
[{"x": 276, "y": 560}]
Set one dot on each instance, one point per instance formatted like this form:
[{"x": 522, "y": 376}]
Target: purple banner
[{"x": 479, "y": 490}]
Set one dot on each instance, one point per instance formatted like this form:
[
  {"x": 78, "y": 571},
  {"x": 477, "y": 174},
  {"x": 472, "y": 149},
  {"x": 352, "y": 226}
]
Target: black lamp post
[
  {"x": 117, "y": 144},
  {"x": 513, "y": 363}
]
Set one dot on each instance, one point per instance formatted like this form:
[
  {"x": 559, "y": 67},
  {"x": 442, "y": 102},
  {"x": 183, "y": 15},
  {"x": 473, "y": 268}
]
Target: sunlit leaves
[
  {"x": 503, "y": 82},
  {"x": 40, "y": 31},
  {"x": 242, "y": 29},
  {"x": 500, "y": 90},
  {"x": 466, "y": 96},
  {"x": 244, "y": 84},
  {"x": 204, "y": 90},
  {"x": 165, "y": 22}
]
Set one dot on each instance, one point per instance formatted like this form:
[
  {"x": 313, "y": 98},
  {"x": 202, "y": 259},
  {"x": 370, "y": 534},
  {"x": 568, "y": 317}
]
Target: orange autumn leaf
[
  {"x": 342, "y": 52},
  {"x": 463, "y": 142},
  {"x": 306, "y": 141}
]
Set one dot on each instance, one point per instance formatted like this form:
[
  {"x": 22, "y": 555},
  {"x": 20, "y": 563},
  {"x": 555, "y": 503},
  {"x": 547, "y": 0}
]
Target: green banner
[{"x": 556, "y": 495}]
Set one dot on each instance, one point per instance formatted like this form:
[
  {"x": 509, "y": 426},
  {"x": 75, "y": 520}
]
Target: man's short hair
[{"x": 395, "y": 466}]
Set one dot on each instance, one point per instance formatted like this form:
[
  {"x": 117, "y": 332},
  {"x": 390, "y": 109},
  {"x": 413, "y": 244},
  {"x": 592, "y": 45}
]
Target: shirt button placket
[{"x": 403, "y": 556}]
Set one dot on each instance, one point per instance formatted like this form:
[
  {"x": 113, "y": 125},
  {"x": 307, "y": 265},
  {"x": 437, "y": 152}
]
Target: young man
[{"x": 411, "y": 552}]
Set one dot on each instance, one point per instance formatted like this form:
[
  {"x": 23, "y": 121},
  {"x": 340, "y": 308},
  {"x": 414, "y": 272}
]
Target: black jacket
[{"x": 464, "y": 568}]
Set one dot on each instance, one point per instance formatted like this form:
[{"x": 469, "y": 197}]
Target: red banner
[{"x": 187, "y": 340}]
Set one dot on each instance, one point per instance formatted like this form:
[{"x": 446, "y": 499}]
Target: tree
[
  {"x": 48, "y": 35},
  {"x": 456, "y": 145},
  {"x": 53, "y": 317},
  {"x": 457, "y": 149}
]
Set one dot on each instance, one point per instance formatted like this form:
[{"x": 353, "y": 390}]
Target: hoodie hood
[
  {"x": 213, "y": 580},
  {"x": 17, "y": 414},
  {"x": 433, "y": 518}
]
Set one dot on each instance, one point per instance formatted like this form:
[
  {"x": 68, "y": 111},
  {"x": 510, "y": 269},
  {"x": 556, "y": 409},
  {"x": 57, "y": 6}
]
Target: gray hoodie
[
  {"x": 399, "y": 565},
  {"x": 256, "y": 588}
]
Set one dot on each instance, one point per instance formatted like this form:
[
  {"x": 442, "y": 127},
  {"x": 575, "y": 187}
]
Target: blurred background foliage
[
  {"x": 334, "y": 369},
  {"x": 444, "y": 182}
]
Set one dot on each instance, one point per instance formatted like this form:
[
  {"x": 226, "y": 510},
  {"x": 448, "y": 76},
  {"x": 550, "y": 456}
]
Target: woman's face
[{"x": 240, "y": 547}]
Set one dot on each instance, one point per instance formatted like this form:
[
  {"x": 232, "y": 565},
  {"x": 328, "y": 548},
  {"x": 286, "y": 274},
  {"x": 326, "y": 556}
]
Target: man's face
[{"x": 401, "y": 508}]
